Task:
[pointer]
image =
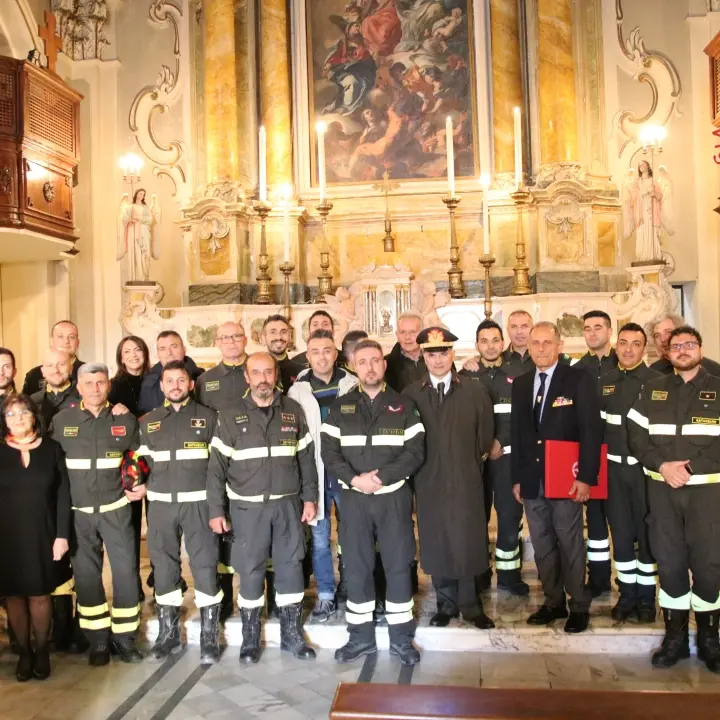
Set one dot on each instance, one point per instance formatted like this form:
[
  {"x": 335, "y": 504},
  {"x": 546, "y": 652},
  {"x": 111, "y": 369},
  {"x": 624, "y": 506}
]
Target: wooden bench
[{"x": 362, "y": 701}]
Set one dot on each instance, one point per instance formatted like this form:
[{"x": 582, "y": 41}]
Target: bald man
[{"x": 59, "y": 392}]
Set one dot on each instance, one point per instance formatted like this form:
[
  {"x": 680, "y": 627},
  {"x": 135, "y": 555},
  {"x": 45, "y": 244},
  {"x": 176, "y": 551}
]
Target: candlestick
[
  {"x": 286, "y": 218},
  {"x": 487, "y": 262},
  {"x": 455, "y": 281},
  {"x": 263, "y": 295},
  {"x": 321, "y": 161},
  {"x": 286, "y": 269},
  {"x": 450, "y": 155},
  {"x": 485, "y": 180},
  {"x": 518, "y": 149},
  {"x": 325, "y": 278},
  {"x": 262, "y": 163},
  {"x": 521, "y": 272}
]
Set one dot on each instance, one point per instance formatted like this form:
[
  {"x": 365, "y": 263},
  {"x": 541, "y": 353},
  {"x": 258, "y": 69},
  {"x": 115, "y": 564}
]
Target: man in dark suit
[{"x": 555, "y": 402}]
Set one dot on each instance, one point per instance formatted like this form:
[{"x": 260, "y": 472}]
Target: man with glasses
[
  {"x": 661, "y": 334},
  {"x": 674, "y": 431}
]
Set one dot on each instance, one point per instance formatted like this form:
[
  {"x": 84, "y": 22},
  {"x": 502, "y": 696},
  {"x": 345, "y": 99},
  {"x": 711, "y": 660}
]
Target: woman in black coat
[
  {"x": 34, "y": 530},
  {"x": 133, "y": 363}
]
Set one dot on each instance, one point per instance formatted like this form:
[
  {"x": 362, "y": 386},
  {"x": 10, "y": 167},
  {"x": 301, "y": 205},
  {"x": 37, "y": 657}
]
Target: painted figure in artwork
[{"x": 138, "y": 236}]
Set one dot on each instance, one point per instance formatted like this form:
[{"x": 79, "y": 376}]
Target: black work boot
[
  {"x": 625, "y": 607},
  {"x": 512, "y": 582},
  {"x": 227, "y": 605},
  {"x": 209, "y": 647},
  {"x": 646, "y": 610},
  {"x": 126, "y": 650},
  {"x": 270, "y": 606},
  {"x": 405, "y": 651},
  {"x": 168, "y": 639},
  {"x": 99, "y": 653},
  {"x": 708, "y": 644},
  {"x": 291, "y": 632},
  {"x": 676, "y": 643},
  {"x": 250, "y": 648},
  {"x": 62, "y": 622},
  {"x": 341, "y": 592},
  {"x": 355, "y": 648}
]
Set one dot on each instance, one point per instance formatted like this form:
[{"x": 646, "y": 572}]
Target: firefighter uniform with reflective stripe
[
  {"x": 498, "y": 381},
  {"x": 675, "y": 420},
  {"x": 385, "y": 434},
  {"x": 94, "y": 449},
  {"x": 627, "y": 506},
  {"x": 176, "y": 446},
  {"x": 262, "y": 459}
]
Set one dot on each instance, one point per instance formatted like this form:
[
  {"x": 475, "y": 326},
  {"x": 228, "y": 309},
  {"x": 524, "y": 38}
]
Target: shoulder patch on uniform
[
  {"x": 397, "y": 409},
  {"x": 416, "y": 412},
  {"x": 198, "y": 423},
  {"x": 153, "y": 426},
  {"x": 195, "y": 446},
  {"x": 705, "y": 421},
  {"x": 708, "y": 395},
  {"x": 608, "y": 389},
  {"x": 288, "y": 417},
  {"x": 70, "y": 431},
  {"x": 240, "y": 419},
  {"x": 118, "y": 430},
  {"x": 659, "y": 395},
  {"x": 347, "y": 409},
  {"x": 212, "y": 385}
]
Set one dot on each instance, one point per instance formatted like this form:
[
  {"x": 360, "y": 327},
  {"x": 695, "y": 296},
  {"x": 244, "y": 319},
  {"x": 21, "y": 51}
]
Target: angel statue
[
  {"x": 647, "y": 209},
  {"x": 138, "y": 236}
]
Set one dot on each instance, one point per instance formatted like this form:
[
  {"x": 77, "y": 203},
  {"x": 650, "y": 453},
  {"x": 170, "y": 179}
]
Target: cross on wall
[{"x": 51, "y": 40}]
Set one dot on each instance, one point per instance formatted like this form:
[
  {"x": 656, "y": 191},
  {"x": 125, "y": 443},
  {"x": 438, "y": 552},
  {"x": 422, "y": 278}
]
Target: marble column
[
  {"x": 221, "y": 101},
  {"x": 506, "y": 79},
  {"x": 275, "y": 90},
  {"x": 246, "y": 107},
  {"x": 556, "y": 82}
]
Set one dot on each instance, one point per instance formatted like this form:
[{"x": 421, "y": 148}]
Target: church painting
[{"x": 383, "y": 77}]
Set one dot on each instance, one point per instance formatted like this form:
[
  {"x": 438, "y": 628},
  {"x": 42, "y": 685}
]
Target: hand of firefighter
[
  {"x": 367, "y": 483},
  {"x": 119, "y": 409},
  {"x": 219, "y": 525},
  {"x": 309, "y": 512},
  {"x": 472, "y": 364},
  {"x": 496, "y": 451},
  {"x": 516, "y": 492},
  {"x": 581, "y": 491},
  {"x": 137, "y": 493},
  {"x": 675, "y": 473},
  {"x": 60, "y": 547}
]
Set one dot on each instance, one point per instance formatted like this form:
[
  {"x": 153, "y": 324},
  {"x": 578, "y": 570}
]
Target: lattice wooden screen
[
  {"x": 7, "y": 102},
  {"x": 51, "y": 117}
]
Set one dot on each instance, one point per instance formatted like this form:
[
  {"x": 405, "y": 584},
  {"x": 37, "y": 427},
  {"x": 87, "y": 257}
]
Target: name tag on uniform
[
  {"x": 608, "y": 389},
  {"x": 212, "y": 385},
  {"x": 70, "y": 431},
  {"x": 195, "y": 446},
  {"x": 198, "y": 423},
  {"x": 153, "y": 427},
  {"x": 708, "y": 395},
  {"x": 287, "y": 417},
  {"x": 391, "y": 431},
  {"x": 347, "y": 409},
  {"x": 659, "y": 395},
  {"x": 562, "y": 402},
  {"x": 240, "y": 419},
  {"x": 505, "y": 401},
  {"x": 118, "y": 430},
  {"x": 705, "y": 421},
  {"x": 113, "y": 454}
]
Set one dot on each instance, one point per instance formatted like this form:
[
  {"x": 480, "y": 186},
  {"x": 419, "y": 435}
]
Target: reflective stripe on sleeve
[
  {"x": 613, "y": 419},
  {"x": 413, "y": 430},
  {"x": 697, "y": 429},
  {"x": 502, "y": 408},
  {"x": 637, "y": 418},
  {"x": 221, "y": 447},
  {"x": 603, "y": 414},
  {"x": 330, "y": 430},
  {"x": 662, "y": 429},
  {"x": 672, "y": 603},
  {"x": 304, "y": 442},
  {"x": 142, "y": 450}
]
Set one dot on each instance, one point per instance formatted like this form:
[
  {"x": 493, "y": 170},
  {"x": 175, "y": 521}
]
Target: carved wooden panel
[{"x": 713, "y": 52}]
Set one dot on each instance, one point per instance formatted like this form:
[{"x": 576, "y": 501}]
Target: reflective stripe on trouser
[
  {"x": 389, "y": 518},
  {"x": 627, "y": 512},
  {"x": 508, "y": 559},
  {"x": 113, "y": 530},
  {"x": 167, "y": 523},
  {"x": 684, "y": 539},
  {"x": 262, "y": 529},
  {"x": 598, "y": 545}
]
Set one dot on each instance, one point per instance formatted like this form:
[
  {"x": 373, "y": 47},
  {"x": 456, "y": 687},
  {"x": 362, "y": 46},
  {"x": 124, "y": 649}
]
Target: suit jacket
[{"x": 572, "y": 412}]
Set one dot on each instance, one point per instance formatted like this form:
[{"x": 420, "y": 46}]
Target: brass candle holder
[
  {"x": 521, "y": 271},
  {"x": 487, "y": 261},
  {"x": 287, "y": 269},
  {"x": 324, "y": 278},
  {"x": 263, "y": 295},
  {"x": 455, "y": 274}
]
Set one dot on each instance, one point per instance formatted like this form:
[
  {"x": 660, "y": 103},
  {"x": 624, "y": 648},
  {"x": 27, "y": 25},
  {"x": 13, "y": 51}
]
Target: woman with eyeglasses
[
  {"x": 133, "y": 363},
  {"x": 34, "y": 530}
]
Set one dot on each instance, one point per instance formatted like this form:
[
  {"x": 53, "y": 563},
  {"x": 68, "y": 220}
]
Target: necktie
[
  {"x": 440, "y": 392},
  {"x": 537, "y": 407}
]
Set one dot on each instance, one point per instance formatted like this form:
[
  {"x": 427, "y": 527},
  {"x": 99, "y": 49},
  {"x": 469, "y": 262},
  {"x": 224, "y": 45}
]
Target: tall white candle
[
  {"x": 321, "y": 160},
  {"x": 518, "y": 148},
  {"x": 485, "y": 180},
  {"x": 288, "y": 194},
  {"x": 450, "y": 155},
  {"x": 262, "y": 162}
]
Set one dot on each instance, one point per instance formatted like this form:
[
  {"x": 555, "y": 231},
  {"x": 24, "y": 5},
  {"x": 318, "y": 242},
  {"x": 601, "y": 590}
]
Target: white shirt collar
[{"x": 436, "y": 381}]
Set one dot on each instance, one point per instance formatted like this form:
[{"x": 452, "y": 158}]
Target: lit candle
[
  {"x": 518, "y": 148},
  {"x": 485, "y": 180},
  {"x": 288, "y": 194},
  {"x": 321, "y": 160},
  {"x": 262, "y": 180},
  {"x": 450, "y": 155}
]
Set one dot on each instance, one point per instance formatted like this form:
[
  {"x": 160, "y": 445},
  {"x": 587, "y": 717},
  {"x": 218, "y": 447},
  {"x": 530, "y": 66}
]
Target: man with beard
[
  {"x": 8, "y": 370},
  {"x": 276, "y": 334},
  {"x": 175, "y": 440},
  {"x": 674, "y": 431},
  {"x": 64, "y": 338},
  {"x": 262, "y": 460},
  {"x": 59, "y": 392},
  {"x": 661, "y": 334},
  {"x": 458, "y": 417},
  {"x": 405, "y": 363}
]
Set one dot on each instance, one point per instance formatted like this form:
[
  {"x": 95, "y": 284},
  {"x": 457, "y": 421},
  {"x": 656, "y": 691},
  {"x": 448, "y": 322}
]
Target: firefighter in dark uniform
[
  {"x": 497, "y": 378},
  {"x": 626, "y": 506},
  {"x": 373, "y": 441},
  {"x": 95, "y": 443},
  {"x": 263, "y": 461},
  {"x": 175, "y": 442},
  {"x": 520, "y": 323},
  {"x": 674, "y": 431},
  {"x": 277, "y": 334},
  {"x": 600, "y": 358},
  {"x": 222, "y": 388}
]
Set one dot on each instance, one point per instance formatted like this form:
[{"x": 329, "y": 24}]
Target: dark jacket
[
  {"x": 598, "y": 366},
  {"x": 288, "y": 369},
  {"x": 571, "y": 412},
  {"x": 222, "y": 387},
  {"x": 34, "y": 380},
  {"x": 664, "y": 366},
  {"x": 125, "y": 390},
  {"x": 524, "y": 363},
  {"x": 402, "y": 370},
  {"x": 256, "y": 453},
  {"x": 151, "y": 396},
  {"x": 50, "y": 404}
]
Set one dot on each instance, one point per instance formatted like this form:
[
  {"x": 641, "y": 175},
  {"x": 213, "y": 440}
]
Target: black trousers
[
  {"x": 556, "y": 531},
  {"x": 458, "y": 595},
  {"x": 627, "y": 511},
  {"x": 168, "y": 522},
  {"x": 598, "y": 544},
  {"x": 261, "y": 529},
  {"x": 96, "y": 533},
  {"x": 508, "y": 560},
  {"x": 387, "y": 516},
  {"x": 685, "y": 538}
]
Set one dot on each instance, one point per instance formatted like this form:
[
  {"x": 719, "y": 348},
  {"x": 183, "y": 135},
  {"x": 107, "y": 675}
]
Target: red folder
[{"x": 561, "y": 468}]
